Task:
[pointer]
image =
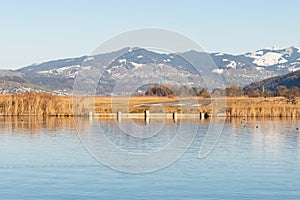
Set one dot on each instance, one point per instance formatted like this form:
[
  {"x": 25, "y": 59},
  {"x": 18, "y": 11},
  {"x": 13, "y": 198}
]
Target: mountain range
[{"x": 189, "y": 68}]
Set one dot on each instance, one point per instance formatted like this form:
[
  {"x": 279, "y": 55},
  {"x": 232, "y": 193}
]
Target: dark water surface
[{"x": 254, "y": 159}]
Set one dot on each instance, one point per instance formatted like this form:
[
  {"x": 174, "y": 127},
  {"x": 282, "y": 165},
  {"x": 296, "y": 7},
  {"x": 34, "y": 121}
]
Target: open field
[{"x": 47, "y": 104}]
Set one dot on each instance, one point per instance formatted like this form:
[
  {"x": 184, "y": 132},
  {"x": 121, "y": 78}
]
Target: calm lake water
[{"x": 254, "y": 159}]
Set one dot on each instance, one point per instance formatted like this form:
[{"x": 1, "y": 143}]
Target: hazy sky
[{"x": 36, "y": 31}]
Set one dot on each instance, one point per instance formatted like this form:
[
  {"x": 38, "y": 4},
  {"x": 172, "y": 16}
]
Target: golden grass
[
  {"x": 262, "y": 107},
  {"x": 48, "y": 104}
]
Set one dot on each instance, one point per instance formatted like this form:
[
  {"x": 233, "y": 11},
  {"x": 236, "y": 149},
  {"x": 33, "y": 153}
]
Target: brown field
[{"x": 48, "y": 104}]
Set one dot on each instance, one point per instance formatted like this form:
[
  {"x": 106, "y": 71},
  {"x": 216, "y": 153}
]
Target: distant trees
[
  {"x": 234, "y": 91},
  {"x": 161, "y": 90},
  {"x": 204, "y": 93},
  {"x": 281, "y": 90},
  {"x": 230, "y": 91},
  {"x": 294, "y": 91},
  {"x": 217, "y": 92},
  {"x": 250, "y": 92}
]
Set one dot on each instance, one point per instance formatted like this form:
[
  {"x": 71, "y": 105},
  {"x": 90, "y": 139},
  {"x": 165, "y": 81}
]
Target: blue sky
[{"x": 36, "y": 31}]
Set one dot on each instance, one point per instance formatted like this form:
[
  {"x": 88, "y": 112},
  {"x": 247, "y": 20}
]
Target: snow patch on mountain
[
  {"x": 289, "y": 51},
  {"x": 232, "y": 64},
  {"x": 137, "y": 65},
  {"x": 62, "y": 69},
  {"x": 219, "y": 54},
  {"x": 280, "y": 66},
  {"x": 59, "y": 70},
  {"x": 69, "y": 60},
  {"x": 255, "y": 54},
  {"x": 293, "y": 68},
  {"x": 88, "y": 59},
  {"x": 87, "y": 67},
  {"x": 218, "y": 71},
  {"x": 259, "y": 68},
  {"x": 269, "y": 59},
  {"x": 122, "y": 61},
  {"x": 259, "y": 53}
]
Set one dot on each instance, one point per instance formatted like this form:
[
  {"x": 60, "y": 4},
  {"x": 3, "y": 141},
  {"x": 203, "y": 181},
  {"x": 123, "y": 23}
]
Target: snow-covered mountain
[
  {"x": 257, "y": 65},
  {"x": 59, "y": 75}
]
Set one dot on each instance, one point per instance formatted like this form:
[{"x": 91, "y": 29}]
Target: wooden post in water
[
  {"x": 90, "y": 115},
  {"x": 175, "y": 116},
  {"x": 202, "y": 115},
  {"x": 119, "y": 114},
  {"x": 147, "y": 116}
]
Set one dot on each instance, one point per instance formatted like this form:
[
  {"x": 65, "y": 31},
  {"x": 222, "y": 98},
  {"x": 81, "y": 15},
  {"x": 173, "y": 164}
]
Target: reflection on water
[
  {"x": 269, "y": 136},
  {"x": 135, "y": 146},
  {"x": 34, "y": 124},
  {"x": 254, "y": 159}
]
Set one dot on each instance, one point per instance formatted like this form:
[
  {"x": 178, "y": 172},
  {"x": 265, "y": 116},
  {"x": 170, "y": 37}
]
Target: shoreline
[{"x": 44, "y": 104}]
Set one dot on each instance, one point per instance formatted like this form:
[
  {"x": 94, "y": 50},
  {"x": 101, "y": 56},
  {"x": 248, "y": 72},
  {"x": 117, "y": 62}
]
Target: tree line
[
  {"x": 170, "y": 91},
  {"x": 230, "y": 91}
]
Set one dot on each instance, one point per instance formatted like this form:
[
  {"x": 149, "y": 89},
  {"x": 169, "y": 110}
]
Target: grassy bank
[
  {"x": 51, "y": 105},
  {"x": 262, "y": 107}
]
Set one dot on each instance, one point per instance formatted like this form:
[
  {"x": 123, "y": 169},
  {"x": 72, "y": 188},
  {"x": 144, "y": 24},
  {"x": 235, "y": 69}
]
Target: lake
[{"x": 50, "y": 158}]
